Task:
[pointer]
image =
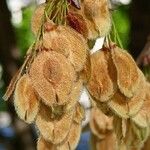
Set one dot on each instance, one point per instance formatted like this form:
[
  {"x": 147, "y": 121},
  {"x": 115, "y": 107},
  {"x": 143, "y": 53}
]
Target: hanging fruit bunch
[
  {"x": 58, "y": 66},
  {"x": 120, "y": 90},
  {"x": 48, "y": 85}
]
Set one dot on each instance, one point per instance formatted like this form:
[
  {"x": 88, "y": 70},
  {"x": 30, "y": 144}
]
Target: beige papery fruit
[
  {"x": 129, "y": 135},
  {"x": 101, "y": 85},
  {"x": 25, "y": 99},
  {"x": 42, "y": 144},
  {"x": 70, "y": 142},
  {"x": 53, "y": 128},
  {"x": 97, "y": 11},
  {"x": 128, "y": 78},
  {"x": 52, "y": 76},
  {"x": 142, "y": 119},
  {"x": 92, "y": 20},
  {"x": 72, "y": 139},
  {"x": 37, "y": 18},
  {"x": 102, "y": 129},
  {"x": 128, "y": 107},
  {"x": 77, "y": 19},
  {"x": 100, "y": 124},
  {"x": 67, "y": 41},
  {"x": 108, "y": 143}
]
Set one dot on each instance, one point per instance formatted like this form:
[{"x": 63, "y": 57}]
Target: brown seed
[
  {"x": 111, "y": 67},
  {"x": 42, "y": 144},
  {"x": 98, "y": 12},
  {"x": 73, "y": 45},
  {"x": 108, "y": 143},
  {"x": 73, "y": 138},
  {"x": 104, "y": 122},
  {"x": 100, "y": 124},
  {"x": 54, "y": 129},
  {"x": 137, "y": 136},
  {"x": 134, "y": 137},
  {"x": 142, "y": 119},
  {"x": 100, "y": 84},
  {"x": 93, "y": 33},
  {"x": 128, "y": 77},
  {"x": 52, "y": 74},
  {"x": 128, "y": 107},
  {"x": 70, "y": 142},
  {"x": 37, "y": 18},
  {"x": 125, "y": 108},
  {"x": 53, "y": 40},
  {"x": 120, "y": 125},
  {"x": 25, "y": 100},
  {"x": 101, "y": 105},
  {"x": 79, "y": 21}
]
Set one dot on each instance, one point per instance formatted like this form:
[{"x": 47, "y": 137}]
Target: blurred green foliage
[
  {"x": 121, "y": 20},
  {"x": 23, "y": 31}
]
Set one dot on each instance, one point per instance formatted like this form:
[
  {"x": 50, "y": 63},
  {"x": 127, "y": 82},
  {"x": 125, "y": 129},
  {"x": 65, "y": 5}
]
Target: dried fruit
[
  {"x": 42, "y": 144},
  {"x": 52, "y": 74},
  {"x": 128, "y": 107},
  {"x": 54, "y": 129},
  {"x": 142, "y": 119},
  {"x": 128, "y": 77},
  {"x": 100, "y": 84},
  {"x": 97, "y": 11},
  {"x": 81, "y": 21},
  {"x": 73, "y": 138},
  {"x": 25, "y": 100},
  {"x": 138, "y": 136},
  {"x": 134, "y": 137},
  {"x": 73, "y": 45},
  {"x": 111, "y": 67},
  {"x": 108, "y": 143},
  {"x": 78, "y": 22},
  {"x": 70, "y": 143},
  {"x": 53, "y": 40},
  {"x": 124, "y": 108},
  {"x": 100, "y": 124}
]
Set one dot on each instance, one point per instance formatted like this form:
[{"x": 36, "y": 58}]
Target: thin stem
[{"x": 116, "y": 34}]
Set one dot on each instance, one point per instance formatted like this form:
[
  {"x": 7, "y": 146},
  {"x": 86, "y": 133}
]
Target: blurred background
[{"x": 132, "y": 20}]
